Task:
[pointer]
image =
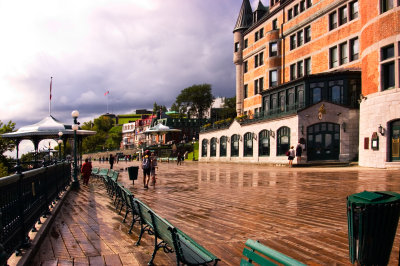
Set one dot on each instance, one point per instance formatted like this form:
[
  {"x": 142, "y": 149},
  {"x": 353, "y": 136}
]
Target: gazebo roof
[
  {"x": 160, "y": 128},
  {"x": 47, "y": 128}
]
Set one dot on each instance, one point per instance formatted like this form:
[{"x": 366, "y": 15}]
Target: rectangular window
[
  {"x": 255, "y": 86},
  {"x": 293, "y": 42},
  {"x": 302, "y": 5},
  {"x": 245, "y": 92},
  {"x": 296, "y": 10},
  {"x": 354, "y": 49},
  {"x": 333, "y": 21},
  {"x": 309, "y": 3},
  {"x": 307, "y": 63},
  {"x": 275, "y": 24},
  {"x": 273, "y": 78},
  {"x": 237, "y": 47},
  {"x": 343, "y": 53},
  {"x": 300, "y": 69},
  {"x": 246, "y": 43},
  {"x": 386, "y": 5},
  {"x": 273, "y": 49},
  {"x": 261, "y": 58},
  {"x": 290, "y": 14},
  {"x": 261, "y": 33},
  {"x": 333, "y": 57},
  {"x": 256, "y": 61},
  {"x": 245, "y": 66},
  {"x": 388, "y": 78},
  {"x": 343, "y": 15},
  {"x": 292, "y": 71},
  {"x": 261, "y": 84},
  {"x": 387, "y": 52},
  {"x": 300, "y": 38},
  {"x": 256, "y": 36},
  {"x": 307, "y": 33},
  {"x": 353, "y": 10}
]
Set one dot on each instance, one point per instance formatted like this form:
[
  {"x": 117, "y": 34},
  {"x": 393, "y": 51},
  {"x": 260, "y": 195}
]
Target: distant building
[{"x": 322, "y": 72}]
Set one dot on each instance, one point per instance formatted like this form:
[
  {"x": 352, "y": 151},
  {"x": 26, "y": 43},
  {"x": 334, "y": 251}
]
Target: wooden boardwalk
[{"x": 299, "y": 212}]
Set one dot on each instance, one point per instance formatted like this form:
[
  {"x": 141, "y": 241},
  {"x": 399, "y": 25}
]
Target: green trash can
[
  {"x": 133, "y": 173},
  {"x": 372, "y": 222}
]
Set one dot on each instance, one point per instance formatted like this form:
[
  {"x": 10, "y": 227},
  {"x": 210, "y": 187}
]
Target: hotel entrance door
[
  {"x": 395, "y": 141},
  {"x": 323, "y": 142}
]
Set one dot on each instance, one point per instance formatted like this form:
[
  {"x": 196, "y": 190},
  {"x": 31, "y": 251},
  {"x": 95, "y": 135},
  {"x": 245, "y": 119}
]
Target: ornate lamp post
[
  {"x": 60, "y": 134},
  {"x": 75, "y": 127},
  {"x": 193, "y": 142}
]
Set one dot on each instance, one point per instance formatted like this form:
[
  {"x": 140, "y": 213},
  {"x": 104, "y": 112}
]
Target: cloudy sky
[{"x": 142, "y": 51}]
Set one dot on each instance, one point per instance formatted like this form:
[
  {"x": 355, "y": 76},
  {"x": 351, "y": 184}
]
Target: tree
[
  {"x": 195, "y": 100},
  {"x": 156, "y": 108},
  {"x": 6, "y": 144}
]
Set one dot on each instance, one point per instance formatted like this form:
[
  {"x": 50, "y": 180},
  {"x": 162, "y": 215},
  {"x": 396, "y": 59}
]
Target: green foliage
[
  {"x": 3, "y": 170},
  {"x": 6, "y": 144},
  {"x": 157, "y": 108},
  {"x": 108, "y": 136},
  {"x": 195, "y": 100}
]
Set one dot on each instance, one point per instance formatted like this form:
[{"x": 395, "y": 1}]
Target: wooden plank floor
[{"x": 300, "y": 212}]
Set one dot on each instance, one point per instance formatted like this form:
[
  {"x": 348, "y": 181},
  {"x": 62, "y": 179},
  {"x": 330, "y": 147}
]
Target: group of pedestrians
[
  {"x": 292, "y": 153},
  {"x": 149, "y": 164}
]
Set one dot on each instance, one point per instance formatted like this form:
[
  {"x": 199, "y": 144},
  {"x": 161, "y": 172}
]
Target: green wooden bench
[
  {"x": 130, "y": 207},
  {"x": 171, "y": 239},
  {"x": 258, "y": 254},
  {"x": 102, "y": 173},
  {"x": 95, "y": 171},
  {"x": 111, "y": 182},
  {"x": 190, "y": 252}
]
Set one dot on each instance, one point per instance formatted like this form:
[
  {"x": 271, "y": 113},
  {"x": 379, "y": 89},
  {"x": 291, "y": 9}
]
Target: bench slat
[
  {"x": 244, "y": 262},
  {"x": 190, "y": 251},
  {"x": 273, "y": 254},
  {"x": 256, "y": 258}
]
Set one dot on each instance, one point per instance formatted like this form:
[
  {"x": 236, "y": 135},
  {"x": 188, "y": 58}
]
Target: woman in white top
[{"x": 291, "y": 156}]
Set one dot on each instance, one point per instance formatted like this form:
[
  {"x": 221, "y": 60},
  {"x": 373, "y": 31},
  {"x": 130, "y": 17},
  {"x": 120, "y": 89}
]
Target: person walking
[
  {"x": 153, "y": 162},
  {"x": 86, "y": 171},
  {"x": 111, "y": 161},
  {"x": 178, "y": 161},
  {"x": 291, "y": 154},
  {"x": 146, "y": 167},
  {"x": 299, "y": 150}
]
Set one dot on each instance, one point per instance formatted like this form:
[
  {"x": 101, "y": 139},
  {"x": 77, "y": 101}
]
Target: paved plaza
[{"x": 300, "y": 212}]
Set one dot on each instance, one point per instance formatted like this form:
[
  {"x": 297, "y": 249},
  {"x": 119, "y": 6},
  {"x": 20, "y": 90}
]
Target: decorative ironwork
[{"x": 24, "y": 198}]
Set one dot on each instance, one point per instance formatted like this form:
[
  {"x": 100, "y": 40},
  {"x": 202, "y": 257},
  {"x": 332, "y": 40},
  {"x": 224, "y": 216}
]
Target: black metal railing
[{"x": 24, "y": 198}]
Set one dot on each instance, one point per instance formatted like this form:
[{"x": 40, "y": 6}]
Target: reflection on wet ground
[{"x": 299, "y": 211}]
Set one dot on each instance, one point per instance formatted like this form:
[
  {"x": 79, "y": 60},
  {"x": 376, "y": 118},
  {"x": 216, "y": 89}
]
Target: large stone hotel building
[{"x": 325, "y": 73}]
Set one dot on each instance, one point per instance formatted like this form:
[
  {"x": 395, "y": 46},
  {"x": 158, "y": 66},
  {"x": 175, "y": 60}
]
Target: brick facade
[{"x": 294, "y": 39}]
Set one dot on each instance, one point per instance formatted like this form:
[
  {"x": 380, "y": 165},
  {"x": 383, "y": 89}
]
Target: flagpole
[
  {"x": 108, "y": 95},
  {"x": 51, "y": 82}
]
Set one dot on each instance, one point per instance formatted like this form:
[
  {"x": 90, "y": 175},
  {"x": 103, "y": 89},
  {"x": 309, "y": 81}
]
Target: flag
[
  {"x": 51, "y": 81},
  {"x": 107, "y": 92}
]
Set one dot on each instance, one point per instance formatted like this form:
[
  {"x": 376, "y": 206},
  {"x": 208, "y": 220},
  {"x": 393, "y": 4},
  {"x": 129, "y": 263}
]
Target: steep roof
[
  {"x": 261, "y": 7},
  {"x": 245, "y": 17}
]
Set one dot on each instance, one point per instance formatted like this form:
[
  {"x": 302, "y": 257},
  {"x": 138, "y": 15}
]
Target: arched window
[
  {"x": 222, "y": 146},
  {"x": 204, "y": 148},
  {"x": 213, "y": 147},
  {"x": 235, "y": 145},
  {"x": 283, "y": 143},
  {"x": 263, "y": 143},
  {"x": 248, "y": 144}
]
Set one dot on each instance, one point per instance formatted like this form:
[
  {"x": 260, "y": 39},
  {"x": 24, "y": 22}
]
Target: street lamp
[
  {"x": 75, "y": 127},
  {"x": 193, "y": 142},
  {"x": 60, "y": 134}
]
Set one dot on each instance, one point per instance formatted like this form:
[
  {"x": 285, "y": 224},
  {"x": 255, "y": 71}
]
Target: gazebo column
[
  {"x": 18, "y": 164},
  {"x": 36, "y": 145}
]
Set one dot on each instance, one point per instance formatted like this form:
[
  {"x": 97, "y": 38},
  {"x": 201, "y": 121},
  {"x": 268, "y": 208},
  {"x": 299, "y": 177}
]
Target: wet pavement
[{"x": 300, "y": 212}]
